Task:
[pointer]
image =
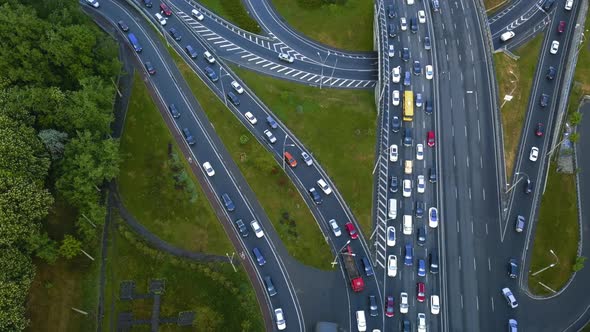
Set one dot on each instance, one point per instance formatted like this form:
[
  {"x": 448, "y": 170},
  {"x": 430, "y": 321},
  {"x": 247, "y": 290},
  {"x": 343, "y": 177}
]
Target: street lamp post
[
  {"x": 338, "y": 252},
  {"x": 517, "y": 181},
  {"x": 322, "y": 62},
  {"x": 222, "y": 88},
  {"x": 377, "y": 162},
  {"x": 556, "y": 146},
  {"x": 550, "y": 265},
  {"x": 285, "y": 144}
]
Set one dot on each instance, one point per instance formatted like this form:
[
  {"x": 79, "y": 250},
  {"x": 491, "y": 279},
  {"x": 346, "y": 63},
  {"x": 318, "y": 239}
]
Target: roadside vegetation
[
  {"x": 233, "y": 11},
  {"x": 493, "y": 5},
  {"x": 157, "y": 186},
  {"x": 222, "y": 299},
  {"x": 337, "y": 125},
  {"x": 274, "y": 190},
  {"x": 56, "y": 87},
  {"x": 557, "y": 228},
  {"x": 515, "y": 78}
]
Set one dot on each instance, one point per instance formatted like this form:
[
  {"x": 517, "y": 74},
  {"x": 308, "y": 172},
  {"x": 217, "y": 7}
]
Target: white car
[
  {"x": 410, "y": 2},
  {"x": 393, "y": 153},
  {"x": 197, "y": 14},
  {"x": 432, "y": 217},
  {"x": 324, "y": 186},
  {"x": 160, "y": 19},
  {"x": 429, "y": 72},
  {"x": 272, "y": 139},
  {"x": 390, "y": 236},
  {"x": 286, "y": 57},
  {"x": 257, "y": 229},
  {"x": 335, "y": 228},
  {"x": 361, "y": 321},
  {"x": 421, "y": 322},
  {"x": 209, "y": 57},
  {"x": 306, "y": 158},
  {"x": 391, "y": 52},
  {"x": 434, "y": 304},
  {"x": 95, "y": 3},
  {"x": 407, "y": 188},
  {"x": 395, "y": 98},
  {"x": 396, "y": 74},
  {"x": 208, "y": 169},
  {"x": 237, "y": 87},
  {"x": 280, "y": 317},
  {"x": 534, "y": 155},
  {"x": 403, "y": 23},
  {"x": 407, "y": 225},
  {"x": 391, "y": 265},
  {"x": 554, "y": 47},
  {"x": 419, "y": 151},
  {"x": 250, "y": 117},
  {"x": 509, "y": 297},
  {"x": 569, "y": 4},
  {"x": 421, "y": 16},
  {"x": 403, "y": 303},
  {"x": 421, "y": 184}
]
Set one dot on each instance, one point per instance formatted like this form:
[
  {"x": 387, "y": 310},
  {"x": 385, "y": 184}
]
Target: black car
[
  {"x": 175, "y": 34},
  {"x": 419, "y": 209},
  {"x": 551, "y": 71},
  {"x": 548, "y": 4},
  {"x": 187, "y": 135},
  {"x": 406, "y": 326},
  {"x": 391, "y": 11},
  {"x": 512, "y": 268},
  {"x": 173, "y": 111},
  {"x": 373, "y": 306},
  {"x": 233, "y": 98},
  {"x": 528, "y": 186},
  {"x": 405, "y": 54},
  {"x": 147, "y": 3},
  {"x": 417, "y": 68},
  {"x": 432, "y": 174},
  {"x": 367, "y": 265},
  {"x": 242, "y": 228},
  {"x": 150, "y": 69},
  {"x": 433, "y": 261},
  {"x": 427, "y": 45},
  {"x": 408, "y": 137},
  {"x": 228, "y": 203},
  {"x": 428, "y": 107},
  {"x": 414, "y": 24},
  {"x": 315, "y": 195},
  {"x": 539, "y": 130},
  {"x": 421, "y": 235},
  {"x": 544, "y": 100},
  {"x": 191, "y": 51},
  {"x": 393, "y": 184},
  {"x": 123, "y": 26},
  {"x": 211, "y": 74},
  {"x": 395, "y": 124},
  {"x": 392, "y": 30}
]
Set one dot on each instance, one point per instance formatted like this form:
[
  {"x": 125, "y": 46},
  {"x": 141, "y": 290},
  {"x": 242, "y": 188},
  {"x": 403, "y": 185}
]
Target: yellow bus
[{"x": 408, "y": 106}]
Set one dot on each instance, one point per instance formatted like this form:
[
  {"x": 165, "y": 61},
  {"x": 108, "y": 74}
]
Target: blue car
[
  {"x": 407, "y": 81},
  {"x": 421, "y": 268},
  {"x": 211, "y": 74},
  {"x": 409, "y": 255}
]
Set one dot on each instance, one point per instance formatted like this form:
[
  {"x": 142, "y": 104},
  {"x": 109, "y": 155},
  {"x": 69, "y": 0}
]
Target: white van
[
  {"x": 407, "y": 224},
  {"x": 361, "y": 322},
  {"x": 506, "y": 36},
  {"x": 197, "y": 14},
  {"x": 392, "y": 212}
]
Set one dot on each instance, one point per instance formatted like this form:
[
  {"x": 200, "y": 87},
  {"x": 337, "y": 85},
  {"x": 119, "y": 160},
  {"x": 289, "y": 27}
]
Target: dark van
[
  {"x": 187, "y": 135},
  {"x": 408, "y": 137},
  {"x": 270, "y": 287},
  {"x": 233, "y": 98},
  {"x": 433, "y": 260},
  {"x": 258, "y": 255}
]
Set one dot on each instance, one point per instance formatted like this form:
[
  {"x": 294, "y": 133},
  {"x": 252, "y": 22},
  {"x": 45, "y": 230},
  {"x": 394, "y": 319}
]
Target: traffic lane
[
  {"x": 185, "y": 121},
  {"x": 512, "y": 10},
  {"x": 346, "y": 59}
]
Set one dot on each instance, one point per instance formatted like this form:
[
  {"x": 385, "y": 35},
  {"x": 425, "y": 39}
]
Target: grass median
[
  {"x": 515, "y": 78},
  {"x": 274, "y": 190},
  {"x": 337, "y": 125},
  {"x": 149, "y": 181},
  {"x": 222, "y": 299},
  {"x": 557, "y": 229},
  {"x": 233, "y": 11},
  {"x": 493, "y": 5}
]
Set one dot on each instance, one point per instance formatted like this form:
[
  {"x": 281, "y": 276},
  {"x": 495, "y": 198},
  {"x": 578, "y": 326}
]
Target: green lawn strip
[
  {"x": 148, "y": 188},
  {"x": 345, "y": 25},
  {"x": 337, "y": 125},
  {"x": 492, "y": 5},
  {"x": 275, "y": 192},
  {"x": 223, "y": 299},
  {"x": 517, "y": 84},
  {"x": 581, "y": 83},
  {"x": 557, "y": 229},
  {"x": 67, "y": 283},
  {"x": 233, "y": 11}
]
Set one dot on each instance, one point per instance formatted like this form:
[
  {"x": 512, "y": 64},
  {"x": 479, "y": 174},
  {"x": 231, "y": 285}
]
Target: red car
[
  {"x": 351, "y": 230},
  {"x": 539, "y": 130},
  {"x": 389, "y": 311},
  {"x": 430, "y": 138},
  {"x": 561, "y": 27},
  {"x": 165, "y": 9},
  {"x": 420, "y": 292}
]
